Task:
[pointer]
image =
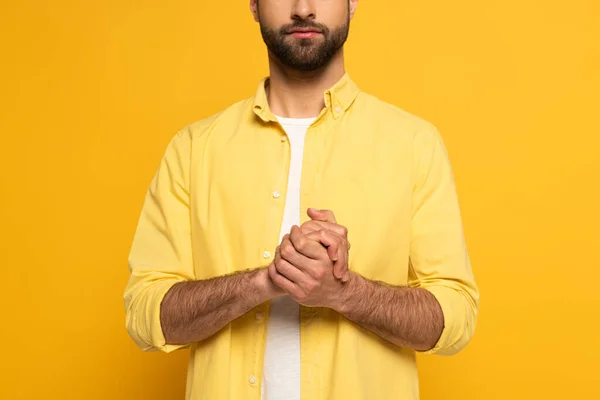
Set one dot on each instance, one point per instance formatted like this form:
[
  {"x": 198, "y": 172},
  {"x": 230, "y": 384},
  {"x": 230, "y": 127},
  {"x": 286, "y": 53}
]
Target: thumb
[{"x": 321, "y": 215}]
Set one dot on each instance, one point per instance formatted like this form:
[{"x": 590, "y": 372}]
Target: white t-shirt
[{"x": 281, "y": 373}]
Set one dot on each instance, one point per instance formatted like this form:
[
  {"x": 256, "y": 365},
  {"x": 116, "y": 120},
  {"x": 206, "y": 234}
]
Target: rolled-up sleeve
[
  {"x": 161, "y": 252},
  {"x": 438, "y": 254}
]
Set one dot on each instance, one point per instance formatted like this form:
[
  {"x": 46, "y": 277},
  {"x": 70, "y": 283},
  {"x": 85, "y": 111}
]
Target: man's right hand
[{"x": 266, "y": 284}]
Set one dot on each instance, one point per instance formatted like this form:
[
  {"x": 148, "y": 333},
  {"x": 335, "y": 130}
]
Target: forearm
[
  {"x": 195, "y": 310},
  {"x": 408, "y": 317}
]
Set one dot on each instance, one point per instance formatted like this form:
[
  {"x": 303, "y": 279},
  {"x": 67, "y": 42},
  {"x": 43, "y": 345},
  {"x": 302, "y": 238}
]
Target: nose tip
[{"x": 304, "y": 9}]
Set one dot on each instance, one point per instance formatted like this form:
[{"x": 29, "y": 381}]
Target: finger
[
  {"x": 338, "y": 229},
  {"x": 336, "y": 250},
  {"x": 330, "y": 239},
  {"x": 317, "y": 225},
  {"x": 339, "y": 252},
  {"x": 326, "y": 240},
  {"x": 290, "y": 271},
  {"x": 307, "y": 228},
  {"x": 321, "y": 215},
  {"x": 346, "y": 277},
  {"x": 344, "y": 266},
  {"x": 303, "y": 245},
  {"x": 288, "y": 252},
  {"x": 281, "y": 281},
  {"x": 340, "y": 267}
]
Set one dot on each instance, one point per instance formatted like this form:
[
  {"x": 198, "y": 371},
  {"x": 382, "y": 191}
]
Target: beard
[{"x": 304, "y": 54}]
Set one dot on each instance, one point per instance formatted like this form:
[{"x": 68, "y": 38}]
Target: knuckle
[
  {"x": 286, "y": 249},
  {"x": 344, "y": 231},
  {"x": 301, "y": 243},
  {"x": 308, "y": 224}
]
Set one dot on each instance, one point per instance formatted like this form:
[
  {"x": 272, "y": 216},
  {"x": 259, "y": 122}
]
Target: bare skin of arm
[
  {"x": 408, "y": 317},
  {"x": 195, "y": 310}
]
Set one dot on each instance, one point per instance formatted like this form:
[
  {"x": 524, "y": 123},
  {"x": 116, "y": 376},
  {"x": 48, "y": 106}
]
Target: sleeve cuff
[
  {"x": 144, "y": 324},
  {"x": 454, "y": 335}
]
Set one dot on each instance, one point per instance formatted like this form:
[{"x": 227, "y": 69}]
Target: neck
[{"x": 299, "y": 94}]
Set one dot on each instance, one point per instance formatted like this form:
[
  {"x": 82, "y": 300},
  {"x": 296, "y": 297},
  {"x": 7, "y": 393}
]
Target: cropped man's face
[{"x": 303, "y": 34}]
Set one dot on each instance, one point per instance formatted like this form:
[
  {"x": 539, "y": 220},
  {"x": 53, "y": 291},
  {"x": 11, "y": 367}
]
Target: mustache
[{"x": 285, "y": 29}]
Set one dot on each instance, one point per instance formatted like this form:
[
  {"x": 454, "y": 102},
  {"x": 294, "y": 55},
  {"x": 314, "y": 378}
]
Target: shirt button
[
  {"x": 259, "y": 315},
  {"x": 276, "y": 195},
  {"x": 267, "y": 254},
  {"x": 283, "y": 138},
  {"x": 252, "y": 379},
  {"x": 338, "y": 109}
]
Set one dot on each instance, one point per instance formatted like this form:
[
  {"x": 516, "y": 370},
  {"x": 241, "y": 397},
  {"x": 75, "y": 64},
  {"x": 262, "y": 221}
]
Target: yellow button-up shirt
[{"x": 210, "y": 211}]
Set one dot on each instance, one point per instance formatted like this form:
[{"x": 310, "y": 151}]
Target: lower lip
[{"x": 305, "y": 35}]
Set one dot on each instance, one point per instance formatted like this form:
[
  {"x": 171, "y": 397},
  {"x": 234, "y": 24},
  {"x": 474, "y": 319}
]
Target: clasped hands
[{"x": 311, "y": 263}]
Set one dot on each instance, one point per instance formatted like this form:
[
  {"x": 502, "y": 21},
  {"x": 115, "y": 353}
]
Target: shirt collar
[{"x": 338, "y": 98}]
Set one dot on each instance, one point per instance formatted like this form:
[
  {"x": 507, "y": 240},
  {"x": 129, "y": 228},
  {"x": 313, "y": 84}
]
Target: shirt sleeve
[
  {"x": 161, "y": 252},
  {"x": 438, "y": 255}
]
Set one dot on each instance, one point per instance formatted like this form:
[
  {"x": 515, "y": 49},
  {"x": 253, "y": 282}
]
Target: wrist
[
  {"x": 351, "y": 290},
  {"x": 265, "y": 288}
]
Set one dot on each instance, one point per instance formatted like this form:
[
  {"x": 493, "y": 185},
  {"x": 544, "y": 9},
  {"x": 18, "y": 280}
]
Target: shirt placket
[{"x": 309, "y": 316}]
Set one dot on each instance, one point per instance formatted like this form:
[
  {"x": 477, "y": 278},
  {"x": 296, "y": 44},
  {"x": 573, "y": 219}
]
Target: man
[{"x": 231, "y": 260}]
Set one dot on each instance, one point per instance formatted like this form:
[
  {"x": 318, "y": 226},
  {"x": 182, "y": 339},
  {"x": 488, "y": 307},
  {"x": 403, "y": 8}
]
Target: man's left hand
[
  {"x": 304, "y": 269},
  {"x": 324, "y": 219}
]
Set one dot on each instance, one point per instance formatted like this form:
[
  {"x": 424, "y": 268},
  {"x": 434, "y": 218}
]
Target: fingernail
[{"x": 312, "y": 209}]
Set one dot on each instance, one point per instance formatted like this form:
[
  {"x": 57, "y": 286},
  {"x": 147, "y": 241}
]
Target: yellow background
[{"x": 92, "y": 91}]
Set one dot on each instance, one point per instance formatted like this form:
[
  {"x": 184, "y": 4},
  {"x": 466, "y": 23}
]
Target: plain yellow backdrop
[{"x": 92, "y": 91}]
